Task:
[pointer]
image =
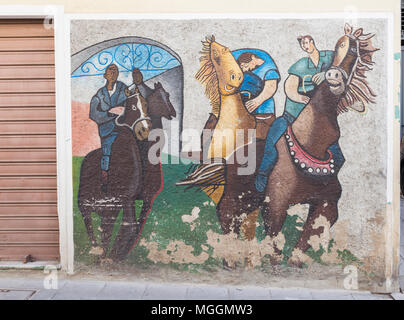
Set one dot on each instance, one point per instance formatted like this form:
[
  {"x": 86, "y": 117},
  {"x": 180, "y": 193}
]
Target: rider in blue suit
[{"x": 106, "y": 98}]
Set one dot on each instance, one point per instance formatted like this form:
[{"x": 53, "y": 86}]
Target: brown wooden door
[{"x": 28, "y": 198}]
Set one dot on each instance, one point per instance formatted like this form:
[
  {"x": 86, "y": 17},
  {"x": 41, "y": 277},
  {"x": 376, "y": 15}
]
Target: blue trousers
[
  {"x": 270, "y": 157},
  {"x": 108, "y": 135}
]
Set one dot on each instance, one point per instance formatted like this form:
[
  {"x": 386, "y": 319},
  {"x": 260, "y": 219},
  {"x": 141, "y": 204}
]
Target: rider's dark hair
[
  {"x": 245, "y": 57},
  {"x": 111, "y": 65},
  {"x": 300, "y": 38}
]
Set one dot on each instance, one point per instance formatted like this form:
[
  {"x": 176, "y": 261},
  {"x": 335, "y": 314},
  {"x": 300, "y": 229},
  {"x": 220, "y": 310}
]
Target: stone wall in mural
[{"x": 205, "y": 152}]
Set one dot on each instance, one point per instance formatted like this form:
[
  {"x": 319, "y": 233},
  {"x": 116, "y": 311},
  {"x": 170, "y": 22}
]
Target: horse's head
[
  {"x": 159, "y": 104},
  {"x": 219, "y": 71},
  {"x": 346, "y": 77},
  {"x": 136, "y": 116},
  {"x": 228, "y": 71}
]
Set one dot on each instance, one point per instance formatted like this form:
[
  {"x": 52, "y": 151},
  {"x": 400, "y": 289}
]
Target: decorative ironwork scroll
[{"x": 151, "y": 60}]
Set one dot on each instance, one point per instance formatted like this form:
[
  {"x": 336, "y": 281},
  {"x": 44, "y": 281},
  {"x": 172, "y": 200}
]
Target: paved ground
[{"x": 33, "y": 289}]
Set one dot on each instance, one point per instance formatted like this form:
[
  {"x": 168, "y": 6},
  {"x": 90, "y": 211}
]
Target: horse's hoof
[
  {"x": 96, "y": 251},
  {"x": 275, "y": 260},
  {"x": 106, "y": 262},
  {"x": 249, "y": 263},
  {"x": 227, "y": 266},
  {"x": 295, "y": 263},
  {"x": 298, "y": 258}
]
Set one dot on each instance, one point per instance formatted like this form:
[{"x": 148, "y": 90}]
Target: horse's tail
[{"x": 205, "y": 176}]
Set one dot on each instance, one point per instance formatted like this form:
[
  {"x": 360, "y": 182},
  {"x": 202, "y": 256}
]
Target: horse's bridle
[
  {"x": 134, "y": 123},
  {"x": 353, "y": 51}
]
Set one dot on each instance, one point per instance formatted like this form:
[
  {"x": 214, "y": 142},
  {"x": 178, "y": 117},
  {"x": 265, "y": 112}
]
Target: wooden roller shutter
[{"x": 28, "y": 198}]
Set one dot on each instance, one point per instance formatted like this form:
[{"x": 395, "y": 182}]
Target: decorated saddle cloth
[
  {"x": 307, "y": 163},
  {"x": 303, "y": 160}
]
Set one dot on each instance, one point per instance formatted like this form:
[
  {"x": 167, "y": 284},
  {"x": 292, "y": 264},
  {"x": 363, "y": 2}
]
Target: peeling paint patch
[
  {"x": 193, "y": 216},
  {"x": 298, "y": 257},
  {"x": 233, "y": 250},
  {"x": 176, "y": 252},
  {"x": 321, "y": 240},
  {"x": 300, "y": 210},
  {"x": 96, "y": 251}
]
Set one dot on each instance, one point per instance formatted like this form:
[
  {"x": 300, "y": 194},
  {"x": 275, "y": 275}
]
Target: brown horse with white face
[{"x": 305, "y": 171}]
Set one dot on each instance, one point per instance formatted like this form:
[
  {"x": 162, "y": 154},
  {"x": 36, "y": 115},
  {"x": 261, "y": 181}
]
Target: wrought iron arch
[{"x": 150, "y": 56}]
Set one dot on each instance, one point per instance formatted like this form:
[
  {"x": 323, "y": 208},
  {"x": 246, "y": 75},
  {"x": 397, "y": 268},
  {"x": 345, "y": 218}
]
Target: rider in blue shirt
[{"x": 260, "y": 82}]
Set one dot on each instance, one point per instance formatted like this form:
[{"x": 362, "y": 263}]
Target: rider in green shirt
[
  {"x": 302, "y": 80},
  {"x": 304, "y": 76}
]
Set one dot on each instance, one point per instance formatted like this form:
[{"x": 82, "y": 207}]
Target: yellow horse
[{"x": 222, "y": 77}]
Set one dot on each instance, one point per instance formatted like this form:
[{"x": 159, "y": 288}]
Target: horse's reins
[
  {"x": 136, "y": 122},
  {"x": 358, "y": 59}
]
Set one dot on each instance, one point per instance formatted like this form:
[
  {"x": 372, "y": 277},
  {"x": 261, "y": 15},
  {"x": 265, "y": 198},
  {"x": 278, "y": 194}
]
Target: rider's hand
[
  {"x": 304, "y": 99},
  {"x": 318, "y": 78},
  {"x": 252, "y": 105},
  {"x": 117, "y": 110}
]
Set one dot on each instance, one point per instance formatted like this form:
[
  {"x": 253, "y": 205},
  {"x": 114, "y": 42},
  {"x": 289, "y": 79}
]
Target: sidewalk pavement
[{"x": 33, "y": 289}]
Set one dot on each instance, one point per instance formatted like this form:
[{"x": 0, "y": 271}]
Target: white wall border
[
  {"x": 63, "y": 115},
  {"x": 64, "y": 141}
]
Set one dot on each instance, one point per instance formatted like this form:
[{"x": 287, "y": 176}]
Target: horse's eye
[
  {"x": 239, "y": 78},
  {"x": 233, "y": 77},
  {"x": 134, "y": 107},
  {"x": 342, "y": 45}
]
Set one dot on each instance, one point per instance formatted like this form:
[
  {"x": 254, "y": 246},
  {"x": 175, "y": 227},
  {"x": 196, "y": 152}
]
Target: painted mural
[
  {"x": 253, "y": 184},
  {"x": 300, "y": 156}
]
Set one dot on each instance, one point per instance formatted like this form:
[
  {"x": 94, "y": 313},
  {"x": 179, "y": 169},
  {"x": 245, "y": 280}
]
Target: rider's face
[
  {"x": 307, "y": 45},
  {"x": 248, "y": 66},
  {"x": 111, "y": 74}
]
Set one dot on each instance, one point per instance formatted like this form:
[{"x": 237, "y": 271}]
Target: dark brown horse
[
  {"x": 131, "y": 175},
  {"x": 305, "y": 171}
]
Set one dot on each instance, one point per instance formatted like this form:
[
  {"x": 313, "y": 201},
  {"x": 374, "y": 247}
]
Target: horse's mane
[
  {"x": 207, "y": 76},
  {"x": 358, "y": 93}
]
